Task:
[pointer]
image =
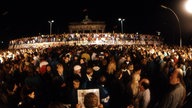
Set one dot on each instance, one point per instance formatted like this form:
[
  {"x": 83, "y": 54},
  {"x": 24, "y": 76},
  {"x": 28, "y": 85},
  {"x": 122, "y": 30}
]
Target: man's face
[
  {"x": 48, "y": 68},
  {"x": 76, "y": 84},
  {"x": 131, "y": 67},
  {"x": 60, "y": 69},
  {"x": 66, "y": 59}
]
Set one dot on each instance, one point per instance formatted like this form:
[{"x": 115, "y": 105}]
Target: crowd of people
[
  {"x": 127, "y": 76},
  {"x": 85, "y": 39}
]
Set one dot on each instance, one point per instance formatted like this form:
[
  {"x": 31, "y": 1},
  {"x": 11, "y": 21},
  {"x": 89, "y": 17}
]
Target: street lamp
[
  {"x": 121, "y": 20},
  {"x": 188, "y": 6},
  {"x": 50, "y": 22},
  {"x": 180, "y": 38}
]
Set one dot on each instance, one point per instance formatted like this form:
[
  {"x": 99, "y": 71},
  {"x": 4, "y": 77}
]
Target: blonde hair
[
  {"x": 111, "y": 68},
  {"x": 135, "y": 83}
]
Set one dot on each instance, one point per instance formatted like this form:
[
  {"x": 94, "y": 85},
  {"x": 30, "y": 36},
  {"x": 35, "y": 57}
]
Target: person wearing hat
[{"x": 77, "y": 74}]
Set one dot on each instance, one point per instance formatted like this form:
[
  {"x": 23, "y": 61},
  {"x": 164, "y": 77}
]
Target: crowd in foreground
[{"x": 127, "y": 76}]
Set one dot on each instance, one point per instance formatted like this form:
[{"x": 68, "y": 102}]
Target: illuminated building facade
[{"x": 87, "y": 26}]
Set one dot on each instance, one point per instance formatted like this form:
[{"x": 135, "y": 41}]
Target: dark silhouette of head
[{"x": 91, "y": 100}]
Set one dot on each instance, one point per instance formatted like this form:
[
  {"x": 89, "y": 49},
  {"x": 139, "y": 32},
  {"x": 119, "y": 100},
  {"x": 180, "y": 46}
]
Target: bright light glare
[{"x": 188, "y": 6}]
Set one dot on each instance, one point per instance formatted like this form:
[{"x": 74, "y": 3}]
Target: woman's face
[{"x": 48, "y": 68}]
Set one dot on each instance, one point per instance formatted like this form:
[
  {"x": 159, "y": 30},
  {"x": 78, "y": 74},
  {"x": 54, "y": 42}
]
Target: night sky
[{"x": 20, "y": 18}]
